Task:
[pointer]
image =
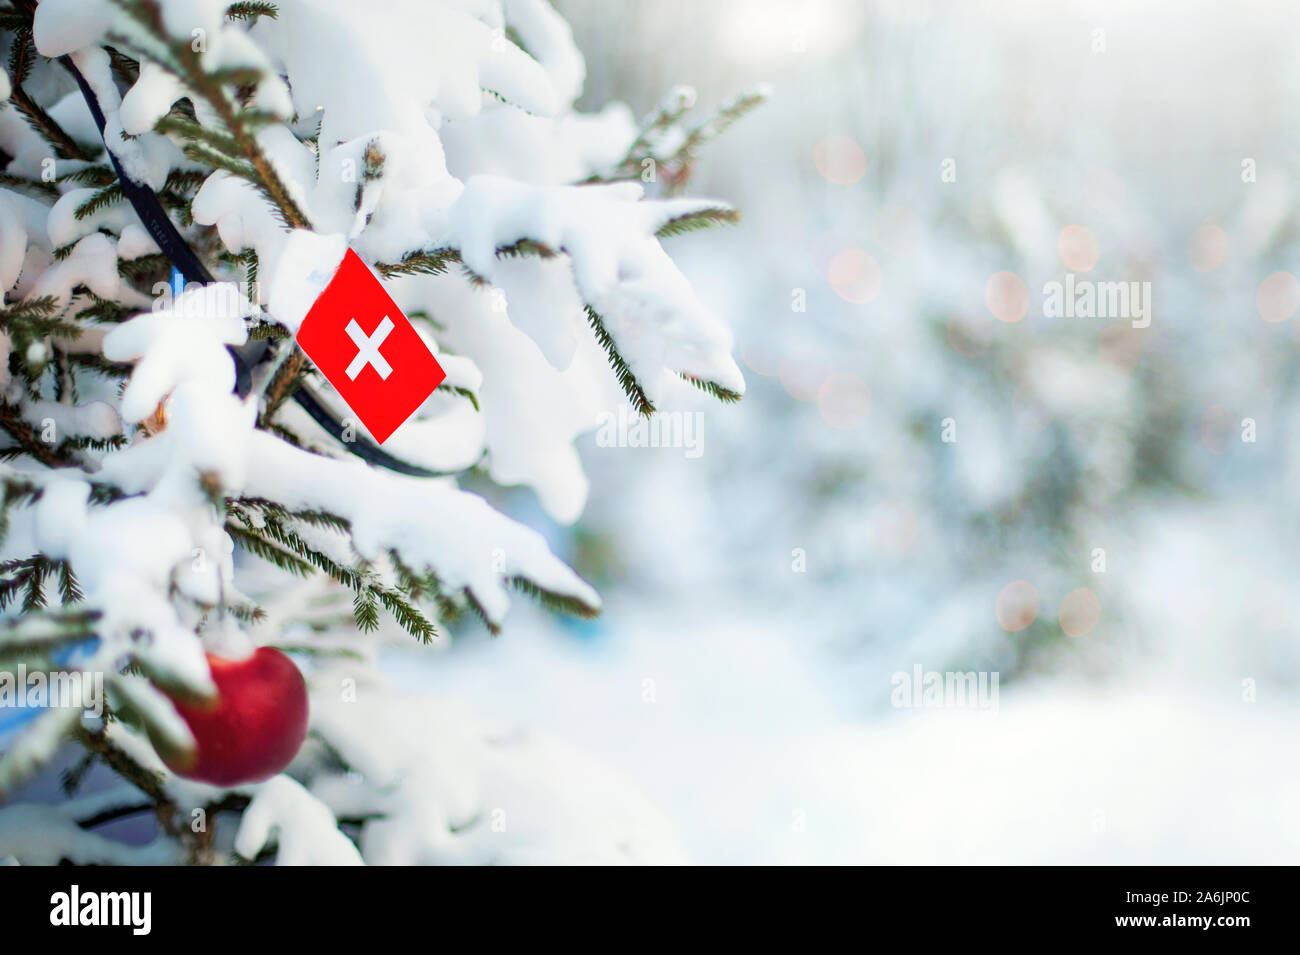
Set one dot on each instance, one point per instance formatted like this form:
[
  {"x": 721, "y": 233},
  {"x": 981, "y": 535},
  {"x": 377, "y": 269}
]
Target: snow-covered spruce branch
[
  {"x": 226, "y": 90},
  {"x": 666, "y": 147},
  {"x": 656, "y": 295},
  {"x": 22, "y": 54},
  {"x": 149, "y": 513}
]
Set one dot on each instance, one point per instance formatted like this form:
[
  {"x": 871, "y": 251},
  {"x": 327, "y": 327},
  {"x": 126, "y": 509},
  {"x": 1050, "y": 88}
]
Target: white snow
[
  {"x": 454, "y": 533},
  {"x": 43, "y": 835},
  {"x": 91, "y": 419},
  {"x": 549, "y": 39},
  {"x": 455, "y": 788},
  {"x": 183, "y": 342},
  {"x": 65, "y": 26},
  {"x": 306, "y": 263},
  {"x": 618, "y": 266},
  {"x": 305, "y": 830},
  {"x": 13, "y": 244},
  {"x": 92, "y": 262}
]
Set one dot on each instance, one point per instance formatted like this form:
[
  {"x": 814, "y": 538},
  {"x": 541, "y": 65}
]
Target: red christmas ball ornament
[{"x": 254, "y": 728}]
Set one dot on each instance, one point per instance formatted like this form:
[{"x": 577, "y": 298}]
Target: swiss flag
[{"x": 368, "y": 349}]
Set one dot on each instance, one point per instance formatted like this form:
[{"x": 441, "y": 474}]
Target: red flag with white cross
[{"x": 368, "y": 350}]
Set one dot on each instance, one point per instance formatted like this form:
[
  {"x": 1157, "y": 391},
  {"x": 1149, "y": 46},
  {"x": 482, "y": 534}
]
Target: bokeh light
[
  {"x": 1007, "y": 296},
  {"x": 855, "y": 276},
  {"x": 1208, "y": 248},
  {"x": 1278, "y": 296},
  {"x": 1078, "y": 248},
  {"x": 840, "y": 160},
  {"x": 1017, "y": 606},
  {"x": 826, "y": 245},
  {"x": 1080, "y": 612}
]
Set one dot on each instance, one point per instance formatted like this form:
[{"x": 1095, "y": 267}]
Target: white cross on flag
[{"x": 369, "y": 351}]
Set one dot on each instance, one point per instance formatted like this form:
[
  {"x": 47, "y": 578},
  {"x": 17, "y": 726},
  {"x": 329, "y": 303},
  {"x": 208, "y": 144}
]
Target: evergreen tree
[{"x": 180, "y": 484}]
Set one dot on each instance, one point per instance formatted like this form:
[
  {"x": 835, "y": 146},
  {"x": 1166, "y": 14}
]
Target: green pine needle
[
  {"x": 251, "y": 10},
  {"x": 365, "y": 610},
  {"x": 90, "y": 176},
  {"x": 725, "y": 395},
  {"x": 557, "y": 602},
  {"x": 409, "y": 616},
  {"x": 697, "y": 221},
  {"x": 102, "y": 199},
  {"x": 631, "y": 387},
  {"x": 190, "y": 131},
  {"x": 261, "y": 547},
  {"x": 420, "y": 262}
]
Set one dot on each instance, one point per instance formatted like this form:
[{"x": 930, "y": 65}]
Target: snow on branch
[
  {"x": 45, "y": 835},
  {"x": 453, "y": 534},
  {"x": 300, "y": 826},
  {"x": 647, "y": 311}
]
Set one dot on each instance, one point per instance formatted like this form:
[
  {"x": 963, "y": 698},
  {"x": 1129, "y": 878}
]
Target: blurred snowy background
[{"x": 1113, "y": 530}]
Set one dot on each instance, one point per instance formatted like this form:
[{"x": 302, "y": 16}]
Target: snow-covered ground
[{"x": 729, "y": 726}]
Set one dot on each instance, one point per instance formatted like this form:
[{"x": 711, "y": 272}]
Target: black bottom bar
[{"x": 1166, "y": 905}]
